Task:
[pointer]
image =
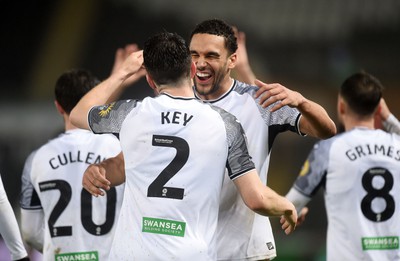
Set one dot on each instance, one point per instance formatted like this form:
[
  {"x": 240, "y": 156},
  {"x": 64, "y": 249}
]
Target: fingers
[
  {"x": 302, "y": 216},
  {"x": 121, "y": 55},
  {"x": 262, "y": 88},
  {"x": 240, "y": 35},
  {"x": 287, "y": 226},
  {"x": 270, "y": 94},
  {"x": 277, "y": 95},
  {"x": 94, "y": 181},
  {"x": 235, "y": 31},
  {"x": 130, "y": 48},
  {"x": 289, "y": 230},
  {"x": 138, "y": 69},
  {"x": 288, "y": 221}
]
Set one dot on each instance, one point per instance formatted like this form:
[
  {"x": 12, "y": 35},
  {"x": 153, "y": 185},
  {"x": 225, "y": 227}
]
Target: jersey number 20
[{"x": 86, "y": 209}]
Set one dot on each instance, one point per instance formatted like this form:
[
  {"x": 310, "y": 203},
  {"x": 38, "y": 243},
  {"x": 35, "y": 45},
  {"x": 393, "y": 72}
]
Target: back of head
[
  {"x": 72, "y": 85},
  {"x": 362, "y": 92},
  {"x": 219, "y": 28},
  {"x": 167, "y": 58}
]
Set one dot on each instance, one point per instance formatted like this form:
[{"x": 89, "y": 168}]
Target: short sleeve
[{"x": 109, "y": 118}]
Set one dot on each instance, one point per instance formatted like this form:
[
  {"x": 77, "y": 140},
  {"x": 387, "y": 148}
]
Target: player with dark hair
[
  {"x": 264, "y": 111},
  {"x": 359, "y": 170},
  {"x": 175, "y": 151},
  {"x": 58, "y": 217}
]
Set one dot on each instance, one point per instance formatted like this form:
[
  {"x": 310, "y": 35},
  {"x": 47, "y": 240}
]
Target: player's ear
[
  {"x": 59, "y": 108},
  {"x": 151, "y": 82},
  {"x": 341, "y": 106},
  {"x": 232, "y": 61}
]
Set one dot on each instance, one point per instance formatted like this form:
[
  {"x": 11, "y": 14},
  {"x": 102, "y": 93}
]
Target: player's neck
[
  {"x": 181, "y": 91},
  {"x": 351, "y": 124},
  {"x": 67, "y": 124}
]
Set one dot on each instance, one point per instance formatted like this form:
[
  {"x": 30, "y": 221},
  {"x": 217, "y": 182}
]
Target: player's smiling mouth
[{"x": 202, "y": 76}]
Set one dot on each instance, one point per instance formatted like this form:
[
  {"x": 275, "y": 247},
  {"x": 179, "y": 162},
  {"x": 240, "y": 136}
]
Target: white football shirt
[
  {"x": 77, "y": 224},
  {"x": 9, "y": 229},
  {"x": 176, "y": 151},
  {"x": 360, "y": 170},
  {"x": 243, "y": 234}
]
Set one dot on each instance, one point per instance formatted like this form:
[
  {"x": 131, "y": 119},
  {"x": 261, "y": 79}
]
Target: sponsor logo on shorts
[
  {"x": 380, "y": 243},
  {"x": 163, "y": 226}
]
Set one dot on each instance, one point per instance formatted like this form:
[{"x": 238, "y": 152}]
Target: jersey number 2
[{"x": 157, "y": 187}]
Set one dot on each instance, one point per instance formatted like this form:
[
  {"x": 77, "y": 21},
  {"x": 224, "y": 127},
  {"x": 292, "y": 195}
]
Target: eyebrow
[
  {"x": 213, "y": 53},
  {"x": 207, "y": 54}
]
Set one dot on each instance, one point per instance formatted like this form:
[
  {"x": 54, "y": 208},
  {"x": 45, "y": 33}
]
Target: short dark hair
[
  {"x": 72, "y": 85},
  {"x": 220, "y": 28},
  {"x": 167, "y": 58},
  {"x": 362, "y": 92}
]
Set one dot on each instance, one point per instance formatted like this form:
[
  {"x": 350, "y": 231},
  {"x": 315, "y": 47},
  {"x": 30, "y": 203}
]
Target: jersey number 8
[{"x": 372, "y": 193}]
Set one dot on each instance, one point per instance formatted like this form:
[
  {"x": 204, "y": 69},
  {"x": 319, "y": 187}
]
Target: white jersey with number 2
[{"x": 176, "y": 151}]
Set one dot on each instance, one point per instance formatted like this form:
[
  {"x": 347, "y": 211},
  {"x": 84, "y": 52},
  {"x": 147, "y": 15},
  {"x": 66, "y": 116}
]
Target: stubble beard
[{"x": 215, "y": 87}]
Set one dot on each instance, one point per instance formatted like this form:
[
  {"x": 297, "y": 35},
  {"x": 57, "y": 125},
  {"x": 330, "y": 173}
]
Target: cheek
[{"x": 223, "y": 69}]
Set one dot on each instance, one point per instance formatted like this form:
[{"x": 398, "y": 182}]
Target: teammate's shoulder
[
  {"x": 242, "y": 88},
  {"x": 326, "y": 143},
  {"x": 53, "y": 140},
  {"x": 221, "y": 111},
  {"x": 32, "y": 154},
  {"x": 106, "y": 108},
  {"x": 228, "y": 118}
]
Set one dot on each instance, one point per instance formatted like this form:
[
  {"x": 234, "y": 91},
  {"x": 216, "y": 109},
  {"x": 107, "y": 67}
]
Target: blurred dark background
[{"x": 307, "y": 45}]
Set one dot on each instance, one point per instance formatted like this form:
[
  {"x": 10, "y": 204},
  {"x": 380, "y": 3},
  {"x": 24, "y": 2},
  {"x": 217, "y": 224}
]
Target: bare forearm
[
  {"x": 272, "y": 204},
  {"x": 114, "y": 170},
  {"x": 264, "y": 201},
  {"x": 102, "y": 93},
  {"x": 97, "y": 96},
  {"x": 315, "y": 120},
  {"x": 261, "y": 198}
]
